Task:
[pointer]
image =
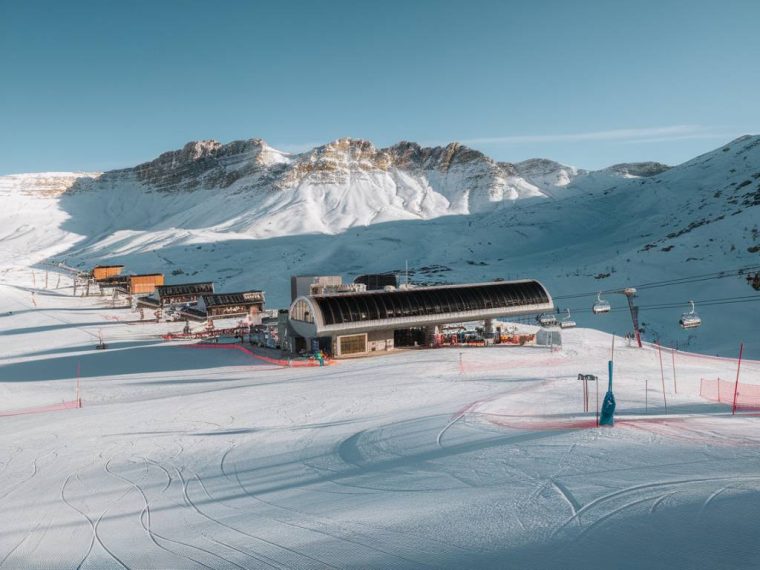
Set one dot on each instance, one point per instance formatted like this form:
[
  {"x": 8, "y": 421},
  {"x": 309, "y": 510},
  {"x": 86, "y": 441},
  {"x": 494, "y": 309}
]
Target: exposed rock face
[
  {"x": 46, "y": 184},
  {"x": 253, "y": 165},
  {"x": 639, "y": 169},
  {"x": 205, "y": 164}
]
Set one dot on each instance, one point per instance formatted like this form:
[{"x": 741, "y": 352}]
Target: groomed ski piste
[{"x": 449, "y": 458}]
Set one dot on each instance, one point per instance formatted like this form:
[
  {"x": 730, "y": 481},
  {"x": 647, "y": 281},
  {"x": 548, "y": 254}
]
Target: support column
[
  {"x": 488, "y": 328},
  {"x": 431, "y": 334}
]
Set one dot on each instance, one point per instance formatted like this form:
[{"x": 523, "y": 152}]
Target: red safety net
[
  {"x": 722, "y": 391},
  {"x": 42, "y": 409}
]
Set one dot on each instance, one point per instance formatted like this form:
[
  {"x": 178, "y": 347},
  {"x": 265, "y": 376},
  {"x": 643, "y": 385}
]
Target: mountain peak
[{"x": 546, "y": 174}]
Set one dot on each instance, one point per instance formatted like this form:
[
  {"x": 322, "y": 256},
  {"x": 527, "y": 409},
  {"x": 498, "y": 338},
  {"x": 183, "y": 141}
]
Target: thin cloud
[
  {"x": 653, "y": 134},
  {"x": 694, "y": 136}
]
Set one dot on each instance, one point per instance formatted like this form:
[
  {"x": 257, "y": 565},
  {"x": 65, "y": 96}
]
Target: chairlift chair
[
  {"x": 546, "y": 320},
  {"x": 601, "y": 305},
  {"x": 691, "y": 319},
  {"x": 567, "y": 322}
]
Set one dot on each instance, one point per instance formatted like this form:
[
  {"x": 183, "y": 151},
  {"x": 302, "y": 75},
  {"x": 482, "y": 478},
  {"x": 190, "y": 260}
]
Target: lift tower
[{"x": 630, "y": 293}]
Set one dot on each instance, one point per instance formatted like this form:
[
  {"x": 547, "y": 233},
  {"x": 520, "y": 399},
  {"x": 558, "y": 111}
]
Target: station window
[
  {"x": 301, "y": 311},
  {"x": 353, "y": 344}
]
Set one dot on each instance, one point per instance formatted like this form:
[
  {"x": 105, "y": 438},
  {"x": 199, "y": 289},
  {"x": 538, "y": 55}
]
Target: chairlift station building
[
  {"x": 226, "y": 305},
  {"x": 177, "y": 294},
  {"x": 369, "y": 321}
]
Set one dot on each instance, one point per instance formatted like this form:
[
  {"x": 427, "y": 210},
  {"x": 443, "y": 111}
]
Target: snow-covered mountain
[
  {"x": 269, "y": 193},
  {"x": 331, "y": 188},
  {"x": 248, "y": 215}
]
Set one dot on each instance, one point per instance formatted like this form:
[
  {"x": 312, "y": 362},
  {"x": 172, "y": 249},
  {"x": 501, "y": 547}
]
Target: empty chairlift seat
[
  {"x": 567, "y": 322},
  {"x": 691, "y": 319},
  {"x": 546, "y": 320},
  {"x": 601, "y": 305}
]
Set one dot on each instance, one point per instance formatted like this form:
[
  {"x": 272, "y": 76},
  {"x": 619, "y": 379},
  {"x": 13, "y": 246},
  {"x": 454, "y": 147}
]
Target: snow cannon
[{"x": 607, "y": 414}]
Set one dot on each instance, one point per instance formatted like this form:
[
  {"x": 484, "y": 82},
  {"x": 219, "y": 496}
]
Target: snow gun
[{"x": 607, "y": 415}]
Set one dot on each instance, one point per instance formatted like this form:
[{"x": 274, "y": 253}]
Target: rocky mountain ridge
[
  {"x": 451, "y": 179},
  {"x": 247, "y": 215}
]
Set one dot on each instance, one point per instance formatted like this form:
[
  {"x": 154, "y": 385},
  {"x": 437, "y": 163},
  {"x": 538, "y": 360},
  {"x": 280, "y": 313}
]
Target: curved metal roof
[{"x": 429, "y": 301}]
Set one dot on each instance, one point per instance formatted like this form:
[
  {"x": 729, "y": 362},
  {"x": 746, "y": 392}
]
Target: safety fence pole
[
  {"x": 662, "y": 377},
  {"x": 673, "y": 354},
  {"x": 736, "y": 384}
]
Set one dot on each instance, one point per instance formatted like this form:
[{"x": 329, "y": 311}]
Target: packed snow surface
[
  {"x": 186, "y": 457},
  {"x": 190, "y": 457}
]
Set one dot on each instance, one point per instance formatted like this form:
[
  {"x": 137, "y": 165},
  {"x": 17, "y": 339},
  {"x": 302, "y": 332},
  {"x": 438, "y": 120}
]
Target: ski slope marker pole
[
  {"x": 612, "y": 351},
  {"x": 673, "y": 354},
  {"x": 662, "y": 376},
  {"x": 736, "y": 384},
  {"x": 584, "y": 388},
  {"x": 609, "y": 375},
  {"x": 597, "y": 401}
]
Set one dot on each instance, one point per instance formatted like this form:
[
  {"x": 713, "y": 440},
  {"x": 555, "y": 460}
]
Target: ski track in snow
[{"x": 192, "y": 459}]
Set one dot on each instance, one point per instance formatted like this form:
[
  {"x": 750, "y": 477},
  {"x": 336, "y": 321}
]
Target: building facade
[
  {"x": 144, "y": 284},
  {"x": 370, "y": 321},
  {"x": 248, "y": 304},
  {"x": 102, "y": 272},
  {"x": 178, "y": 294}
]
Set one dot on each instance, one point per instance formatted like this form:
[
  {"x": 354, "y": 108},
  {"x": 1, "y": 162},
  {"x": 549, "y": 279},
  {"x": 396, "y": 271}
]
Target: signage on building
[{"x": 251, "y": 296}]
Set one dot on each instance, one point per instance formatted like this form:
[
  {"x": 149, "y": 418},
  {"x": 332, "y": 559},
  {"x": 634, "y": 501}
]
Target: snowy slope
[
  {"x": 450, "y": 458},
  {"x": 453, "y": 458},
  {"x": 248, "y": 216},
  {"x": 31, "y": 218}
]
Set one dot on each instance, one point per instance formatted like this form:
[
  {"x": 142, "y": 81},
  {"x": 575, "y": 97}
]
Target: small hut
[
  {"x": 103, "y": 272},
  {"x": 144, "y": 284}
]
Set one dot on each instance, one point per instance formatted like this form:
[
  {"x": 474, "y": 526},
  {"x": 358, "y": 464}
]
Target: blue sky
[{"x": 106, "y": 84}]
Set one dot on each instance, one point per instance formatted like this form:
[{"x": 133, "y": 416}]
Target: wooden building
[
  {"x": 103, "y": 272},
  {"x": 177, "y": 294},
  {"x": 227, "y": 305},
  {"x": 144, "y": 284},
  {"x": 132, "y": 284}
]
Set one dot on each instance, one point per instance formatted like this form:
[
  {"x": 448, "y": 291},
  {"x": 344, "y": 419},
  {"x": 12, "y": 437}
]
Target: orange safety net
[{"x": 722, "y": 391}]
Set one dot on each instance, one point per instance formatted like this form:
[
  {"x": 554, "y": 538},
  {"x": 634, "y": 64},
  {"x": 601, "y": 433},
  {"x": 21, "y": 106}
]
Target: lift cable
[
  {"x": 675, "y": 305},
  {"x": 679, "y": 281}
]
